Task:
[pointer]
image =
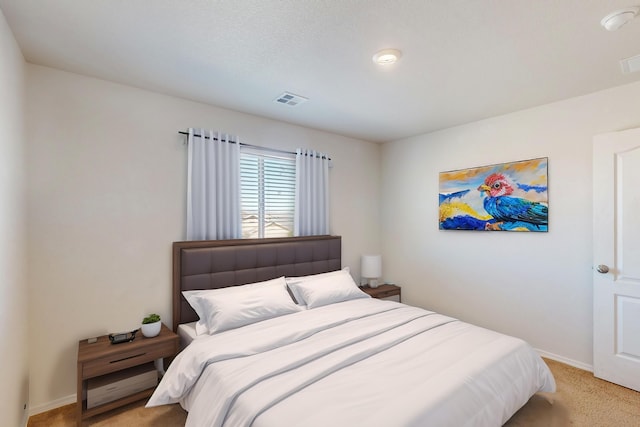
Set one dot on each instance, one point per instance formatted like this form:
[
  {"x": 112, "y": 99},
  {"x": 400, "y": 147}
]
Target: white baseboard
[
  {"x": 38, "y": 409},
  {"x": 566, "y": 361}
]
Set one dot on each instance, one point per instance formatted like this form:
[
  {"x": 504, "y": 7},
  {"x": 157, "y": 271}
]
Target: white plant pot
[{"x": 151, "y": 329}]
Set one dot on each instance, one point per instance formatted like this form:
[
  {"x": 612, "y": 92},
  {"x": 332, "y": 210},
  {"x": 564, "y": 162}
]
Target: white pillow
[
  {"x": 327, "y": 289},
  {"x": 228, "y": 308},
  {"x": 299, "y": 299}
]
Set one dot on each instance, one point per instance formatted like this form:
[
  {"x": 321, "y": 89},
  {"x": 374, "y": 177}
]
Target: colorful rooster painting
[{"x": 503, "y": 197}]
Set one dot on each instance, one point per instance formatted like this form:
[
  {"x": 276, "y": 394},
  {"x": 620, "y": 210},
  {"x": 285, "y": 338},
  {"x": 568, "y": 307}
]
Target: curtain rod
[{"x": 250, "y": 145}]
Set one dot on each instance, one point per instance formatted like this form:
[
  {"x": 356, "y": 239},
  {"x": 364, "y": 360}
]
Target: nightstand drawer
[
  {"x": 390, "y": 294},
  {"x": 395, "y": 297},
  {"x": 127, "y": 359},
  {"x": 386, "y": 291},
  {"x": 110, "y": 387}
]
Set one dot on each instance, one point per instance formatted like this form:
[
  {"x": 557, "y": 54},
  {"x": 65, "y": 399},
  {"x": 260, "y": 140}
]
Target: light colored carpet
[
  {"x": 134, "y": 414},
  {"x": 581, "y": 401}
]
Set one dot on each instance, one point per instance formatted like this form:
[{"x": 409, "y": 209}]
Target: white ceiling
[{"x": 463, "y": 60}]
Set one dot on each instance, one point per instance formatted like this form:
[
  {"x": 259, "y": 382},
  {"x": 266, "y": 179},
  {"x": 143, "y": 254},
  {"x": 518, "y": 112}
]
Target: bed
[{"x": 276, "y": 333}]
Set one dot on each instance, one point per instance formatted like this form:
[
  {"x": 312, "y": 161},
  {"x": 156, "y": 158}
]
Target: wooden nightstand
[
  {"x": 390, "y": 292},
  {"x": 103, "y": 359}
]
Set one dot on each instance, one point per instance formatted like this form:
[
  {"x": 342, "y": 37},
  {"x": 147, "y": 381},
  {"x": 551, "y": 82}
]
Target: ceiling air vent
[
  {"x": 290, "y": 99},
  {"x": 630, "y": 65}
]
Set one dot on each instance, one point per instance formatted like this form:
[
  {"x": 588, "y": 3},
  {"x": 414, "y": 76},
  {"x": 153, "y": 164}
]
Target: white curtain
[
  {"x": 213, "y": 186},
  {"x": 312, "y": 193}
]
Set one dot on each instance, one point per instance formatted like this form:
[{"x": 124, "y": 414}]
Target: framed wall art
[{"x": 502, "y": 197}]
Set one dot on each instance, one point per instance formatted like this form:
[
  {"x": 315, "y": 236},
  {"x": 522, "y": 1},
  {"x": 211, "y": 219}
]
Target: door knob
[{"x": 602, "y": 269}]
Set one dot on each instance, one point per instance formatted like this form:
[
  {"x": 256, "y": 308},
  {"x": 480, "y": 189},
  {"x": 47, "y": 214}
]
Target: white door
[{"x": 616, "y": 257}]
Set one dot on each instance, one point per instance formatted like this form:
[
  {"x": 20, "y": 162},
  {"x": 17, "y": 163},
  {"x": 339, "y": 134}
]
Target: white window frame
[{"x": 260, "y": 199}]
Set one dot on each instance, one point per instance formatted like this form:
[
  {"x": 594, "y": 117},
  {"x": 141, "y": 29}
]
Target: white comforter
[{"x": 363, "y": 362}]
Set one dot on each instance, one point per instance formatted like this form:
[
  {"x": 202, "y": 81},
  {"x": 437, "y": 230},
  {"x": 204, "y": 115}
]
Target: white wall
[
  {"x": 106, "y": 199},
  {"x": 14, "y": 374},
  {"x": 533, "y": 285}
]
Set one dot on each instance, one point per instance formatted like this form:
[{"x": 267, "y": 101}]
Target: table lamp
[{"x": 371, "y": 269}]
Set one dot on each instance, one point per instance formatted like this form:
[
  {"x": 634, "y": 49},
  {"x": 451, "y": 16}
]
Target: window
[{"x": 267, "y": 193}]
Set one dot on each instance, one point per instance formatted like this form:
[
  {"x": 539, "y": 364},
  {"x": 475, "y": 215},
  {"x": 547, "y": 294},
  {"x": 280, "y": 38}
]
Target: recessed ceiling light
[
  {"x": 387, "y": 56},
  {"x": 617, "y": 19}
]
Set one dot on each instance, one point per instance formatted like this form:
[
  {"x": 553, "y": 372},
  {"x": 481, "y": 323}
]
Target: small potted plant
[{"x": 151, "y": 325}]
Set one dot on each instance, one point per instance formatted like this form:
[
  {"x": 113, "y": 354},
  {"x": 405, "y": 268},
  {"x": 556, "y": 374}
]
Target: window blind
[{"x": 267, "y": 198}]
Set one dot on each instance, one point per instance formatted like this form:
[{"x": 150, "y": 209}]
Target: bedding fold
[
  {"x": 352, "y": 356},
  {"x": 259, "y": 337}
]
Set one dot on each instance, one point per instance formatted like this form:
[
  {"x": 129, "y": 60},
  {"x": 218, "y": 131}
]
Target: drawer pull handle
[{"x": 127, "y": 358}]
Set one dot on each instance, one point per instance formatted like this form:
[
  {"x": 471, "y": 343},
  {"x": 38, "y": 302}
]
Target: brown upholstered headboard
[{"x": 211, "y": 264}]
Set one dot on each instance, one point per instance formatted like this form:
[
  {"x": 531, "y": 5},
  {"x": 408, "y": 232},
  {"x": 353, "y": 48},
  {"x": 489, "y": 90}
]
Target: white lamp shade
[{"x": 371, "y": 266}]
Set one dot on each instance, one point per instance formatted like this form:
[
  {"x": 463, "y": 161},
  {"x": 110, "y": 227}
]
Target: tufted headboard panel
[{"x": 212, "y": 264}]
